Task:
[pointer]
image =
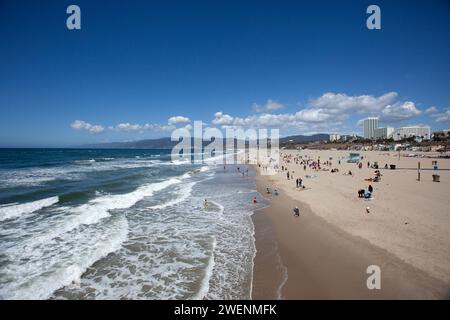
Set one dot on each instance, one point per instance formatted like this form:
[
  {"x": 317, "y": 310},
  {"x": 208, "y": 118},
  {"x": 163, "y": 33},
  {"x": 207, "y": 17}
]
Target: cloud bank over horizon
[{"x": 330, "y": 112}]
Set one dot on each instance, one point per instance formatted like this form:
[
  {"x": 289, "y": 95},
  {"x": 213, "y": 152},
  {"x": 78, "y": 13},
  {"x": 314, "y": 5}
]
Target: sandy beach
[{"x": 325, "y": 252}]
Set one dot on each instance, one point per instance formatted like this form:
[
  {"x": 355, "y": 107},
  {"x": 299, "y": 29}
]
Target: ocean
[{"x": 123, "y": 224}]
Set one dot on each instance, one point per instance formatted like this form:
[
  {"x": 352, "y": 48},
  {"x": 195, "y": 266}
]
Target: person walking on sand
[
  {"x": 296, "y": 212},
  {"x": 296, "y": 182},
  {"x": 287, "y": 175}
]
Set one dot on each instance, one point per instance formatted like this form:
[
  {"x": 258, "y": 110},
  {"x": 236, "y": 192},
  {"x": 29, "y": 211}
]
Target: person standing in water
[{"x": 205, "y": 204}]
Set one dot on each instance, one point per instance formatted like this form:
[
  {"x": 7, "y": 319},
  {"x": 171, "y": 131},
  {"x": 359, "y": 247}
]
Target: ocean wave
[
  {"x": 184, "y": 191},
  {"x": 43, "y": 274},
  {"x": 99, "y": 208},
  {"x": 16, "y": 210},
  {"x": 76, "y": 171},
  {"x": 204, "y": 287},
  {"x": 85, "y": 162}
]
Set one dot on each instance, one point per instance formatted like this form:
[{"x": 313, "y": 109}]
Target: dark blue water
[{"x": 122, "y": 224}]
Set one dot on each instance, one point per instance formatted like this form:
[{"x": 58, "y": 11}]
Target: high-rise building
[
  {"x": 369, "y": 125},
  {"x": 416, "y": 131},
  {"x": 383, "y": 133},
  {"x": 334, "y": 137}
]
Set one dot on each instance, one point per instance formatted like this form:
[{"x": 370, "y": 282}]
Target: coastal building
[
  {"x": 369, "y": 125},
  {"x": 334, "y": 137},
  {"x": 383, "y": 133},
  {"x": 414, "y": 131}
]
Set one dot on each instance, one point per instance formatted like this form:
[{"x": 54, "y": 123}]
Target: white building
[
  {"x": 369, "y": 125},
  {"x": 407, "y": 132},
  {"x": 334, "y": 137},
  {"x": 383, "y": 133}
]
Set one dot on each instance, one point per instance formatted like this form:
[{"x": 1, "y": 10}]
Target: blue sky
[{"x": 301, "y": 66}]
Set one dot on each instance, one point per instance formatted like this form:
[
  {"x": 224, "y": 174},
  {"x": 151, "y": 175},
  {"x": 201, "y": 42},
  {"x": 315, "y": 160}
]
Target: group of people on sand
[
  {"x": 362, "y": 193},
  {"x": 275, "y": 191}
]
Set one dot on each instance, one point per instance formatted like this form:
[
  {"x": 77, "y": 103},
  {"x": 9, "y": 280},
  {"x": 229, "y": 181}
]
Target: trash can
[{"x": 436, "y": 178}]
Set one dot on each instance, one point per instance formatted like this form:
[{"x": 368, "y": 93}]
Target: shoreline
[{"x": 322, "y": 261}]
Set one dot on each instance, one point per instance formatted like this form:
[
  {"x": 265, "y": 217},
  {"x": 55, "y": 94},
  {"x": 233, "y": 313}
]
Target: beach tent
[{"x": 354, "y": 157}]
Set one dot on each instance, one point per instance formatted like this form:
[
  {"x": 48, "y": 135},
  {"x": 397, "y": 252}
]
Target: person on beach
[
  {"x": 361, "y": 193},
  {"x": 296, "y": 212},
  {"x": 296, "y": 182},
  {"x": 370, "y": 188},
  {"x": 300, "y": 181},
  {"x": 287, "y": 175},
  {"x": 254, "y": 200},
  {"x": 205, "y": 204},
  {"x": 275, "y": 192},
  {"x": 267, "y": 190}
]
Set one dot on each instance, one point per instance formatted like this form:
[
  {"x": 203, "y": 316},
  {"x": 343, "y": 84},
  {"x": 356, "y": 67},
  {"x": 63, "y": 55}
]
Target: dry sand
[{"x": 325, "y": 252}]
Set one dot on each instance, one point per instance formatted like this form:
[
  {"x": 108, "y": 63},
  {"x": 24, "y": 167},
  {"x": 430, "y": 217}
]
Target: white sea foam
[
  {"x": 100, "y": 207},
  {"x": 85, "y": 162},
  {"x": 184, "y": 193},
  {"x": 204, "y": 287},
  {"x": 16, "y": 210},
  {"x": 62, "y": 263},
  {"x": 36, "y": 176}
]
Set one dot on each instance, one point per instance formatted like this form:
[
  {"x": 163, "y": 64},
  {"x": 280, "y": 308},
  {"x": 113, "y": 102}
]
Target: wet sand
[{"x": 310, "y": 258}]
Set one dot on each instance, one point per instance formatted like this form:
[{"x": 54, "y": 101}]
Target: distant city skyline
[{"x": 139, "y": 70}]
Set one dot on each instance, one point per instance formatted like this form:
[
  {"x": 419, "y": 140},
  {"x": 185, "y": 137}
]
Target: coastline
[{"x": 321, "y": 260}]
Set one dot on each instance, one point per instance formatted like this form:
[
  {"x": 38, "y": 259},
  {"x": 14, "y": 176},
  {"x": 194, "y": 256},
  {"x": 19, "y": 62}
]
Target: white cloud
[
  {"x": 178, "y": 119},
  {"x": 336, "y": 103},
  {"x": 270, "y": 105},
  {"x": 399, "y": 111},
  {"x": 85, "y": 126},
  {"x": 128, "y": 127},
  {"x": 142, "y": 127},
  {"x": 442, "y": 117},
  {"x": 431, "y": 110},
  {"x": 329, "y": 111},
  {"x": 220, "y": 118}
]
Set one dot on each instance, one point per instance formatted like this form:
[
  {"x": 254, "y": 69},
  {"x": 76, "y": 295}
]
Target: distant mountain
[
  {"x": 305, "y": 139},
  {"x": 163, "y": 143}
]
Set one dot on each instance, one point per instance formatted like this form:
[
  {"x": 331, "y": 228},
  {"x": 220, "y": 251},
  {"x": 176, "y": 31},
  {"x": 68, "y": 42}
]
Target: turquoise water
[{"x": 122, "y": 224}]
